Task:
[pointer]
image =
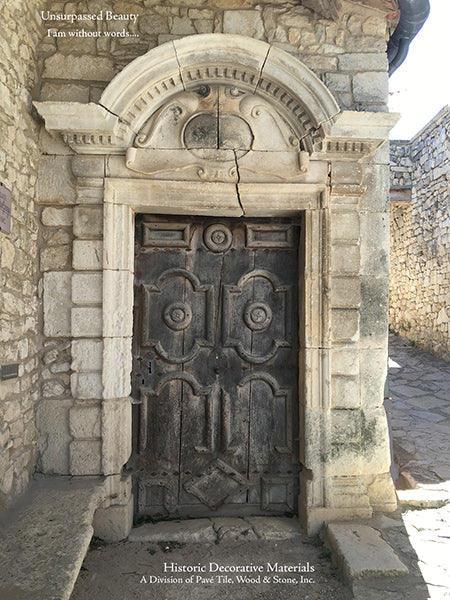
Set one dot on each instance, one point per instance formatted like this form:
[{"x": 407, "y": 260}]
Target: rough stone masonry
[{"x": 420, "y": 238}]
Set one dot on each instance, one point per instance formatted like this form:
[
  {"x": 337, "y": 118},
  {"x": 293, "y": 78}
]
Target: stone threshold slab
[
  {"x": 360, "y": 552},
  {"x": 45, "y": 537},
  {"x": 214, "y": 530}
]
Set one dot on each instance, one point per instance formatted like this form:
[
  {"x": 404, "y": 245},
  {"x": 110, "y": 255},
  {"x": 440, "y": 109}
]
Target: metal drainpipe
[{"x": 413, "y": 14}]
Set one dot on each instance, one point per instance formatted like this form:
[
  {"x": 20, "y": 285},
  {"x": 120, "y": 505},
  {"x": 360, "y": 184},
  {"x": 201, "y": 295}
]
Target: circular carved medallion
[
  {"x": 216, "y": 138},
  {"x": 217, "y": 238},
  {"x": 177, "y": 315},
  {"x": 257, "y": 316}
]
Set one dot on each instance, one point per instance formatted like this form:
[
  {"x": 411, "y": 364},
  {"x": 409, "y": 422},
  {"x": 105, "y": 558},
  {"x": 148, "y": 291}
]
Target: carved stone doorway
[
  {"x": 216, "y": 366},
  {"x": 138, "y": 150}
]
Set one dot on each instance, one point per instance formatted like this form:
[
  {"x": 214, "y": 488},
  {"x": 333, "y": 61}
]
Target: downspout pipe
[{"x": 413, "y": 14}]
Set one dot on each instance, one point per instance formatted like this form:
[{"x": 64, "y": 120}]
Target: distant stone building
[
  {"x": 420, "y": 237},
  {"x": 223, "y": 167}
]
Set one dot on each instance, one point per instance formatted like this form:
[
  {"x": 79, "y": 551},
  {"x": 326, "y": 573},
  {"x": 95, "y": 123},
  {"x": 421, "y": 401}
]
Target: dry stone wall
[
  {"x": 420, "y": 238},
  {"x": 20, "y": 33}
]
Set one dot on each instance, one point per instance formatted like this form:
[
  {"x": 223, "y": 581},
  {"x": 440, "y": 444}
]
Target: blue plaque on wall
[{"x": 5, "y": 209}]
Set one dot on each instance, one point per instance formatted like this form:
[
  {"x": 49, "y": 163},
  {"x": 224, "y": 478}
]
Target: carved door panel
[{"x": 215, "y": 366}]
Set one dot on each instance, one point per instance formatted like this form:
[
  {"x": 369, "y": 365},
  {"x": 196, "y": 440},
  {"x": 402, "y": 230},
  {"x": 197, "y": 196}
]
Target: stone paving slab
[
  {"x": 423, "y": 498},
  {"x": 45, "y": 537},
  {"x": 382, "y": 588},
  {"x": 360, "y": 552},
  {"x": 428, "y": 402},
  {"x": 271, "y": 528},
  {"x": 428, "y": 416},
  {"x": 192, "y": 531}
]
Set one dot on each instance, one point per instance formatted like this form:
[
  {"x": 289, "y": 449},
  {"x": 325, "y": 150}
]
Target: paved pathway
[
  {"x": 420, "y": 419},
  {"x": 419, "y": 385}
]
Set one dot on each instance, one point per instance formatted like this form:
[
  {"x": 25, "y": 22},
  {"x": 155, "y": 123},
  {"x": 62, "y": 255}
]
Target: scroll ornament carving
[{"x": 218, "y": 133}]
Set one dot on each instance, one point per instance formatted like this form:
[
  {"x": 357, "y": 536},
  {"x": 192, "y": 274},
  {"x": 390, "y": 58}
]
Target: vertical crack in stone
[
  {"x": 238, "y": 195},
  {"x": 329, "y": 186},
  {"x": 262, "y": 69},
  {"x": 107, "y": 165},
  {"x": 179, "y": 66}
]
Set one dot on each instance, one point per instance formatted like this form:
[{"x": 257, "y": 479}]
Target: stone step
[
  {"x": 194, "y": 531},
  {"x": 45, "y": 537},
  {"x": 360, "y": 552},
  {"x": 424, "y": 498}
]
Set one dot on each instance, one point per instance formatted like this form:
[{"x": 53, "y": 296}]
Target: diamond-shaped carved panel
[{"x": 217, "y": 483}]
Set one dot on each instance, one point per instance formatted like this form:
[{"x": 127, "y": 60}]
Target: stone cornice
[
  {"x": 356, "y": 134},
  {"x": 86, "y": 128}
]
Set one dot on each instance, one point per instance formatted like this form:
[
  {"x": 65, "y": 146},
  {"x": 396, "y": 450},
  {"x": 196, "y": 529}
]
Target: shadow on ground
[
  {"x": 130, "y": 570},
  {"x": 173, "y": 570}
]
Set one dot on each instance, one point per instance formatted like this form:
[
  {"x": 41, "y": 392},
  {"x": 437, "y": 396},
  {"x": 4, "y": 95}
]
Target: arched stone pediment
[
  {"x": 154, "y": 79},
  {"x": 254, "y": 67},
  {"x": 218, "y": 132},
  {"x": 303, "y": 114}
]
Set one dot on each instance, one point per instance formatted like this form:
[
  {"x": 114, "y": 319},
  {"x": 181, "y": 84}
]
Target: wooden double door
[{"x": 215, "y": 366}]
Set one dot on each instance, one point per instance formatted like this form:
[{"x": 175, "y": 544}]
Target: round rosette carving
[
  {"x": 257, "y": 316},
  {"x": 218, "y": 238},
  {"x": 177, "y": 315}
]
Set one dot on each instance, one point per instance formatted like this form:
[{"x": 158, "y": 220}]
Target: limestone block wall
[
  {"x": 348, "y": 54},
  {"x": 70, "y": 260},
  {"x": 420, "y": 238},
  {"x": 19, "y": 34}
]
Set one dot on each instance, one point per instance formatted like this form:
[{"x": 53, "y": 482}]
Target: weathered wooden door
[{"x": 215, "y": 373}]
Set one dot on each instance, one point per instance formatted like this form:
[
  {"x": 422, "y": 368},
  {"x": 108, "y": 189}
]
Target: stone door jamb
[{"x": 123, "y": 198}]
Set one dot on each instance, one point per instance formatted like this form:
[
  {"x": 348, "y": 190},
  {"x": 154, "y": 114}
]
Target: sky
[{"x": 421, "y": 85}]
